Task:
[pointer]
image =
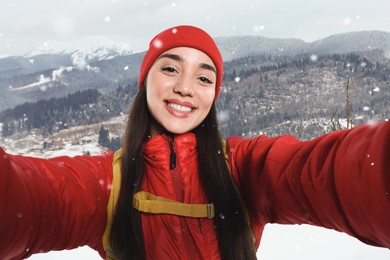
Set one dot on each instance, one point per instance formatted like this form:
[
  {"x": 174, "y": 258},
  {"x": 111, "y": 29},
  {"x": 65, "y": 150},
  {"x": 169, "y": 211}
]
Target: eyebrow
[
  {"x": 179, "y": 58},
  {"x": 171, "y": 56}
]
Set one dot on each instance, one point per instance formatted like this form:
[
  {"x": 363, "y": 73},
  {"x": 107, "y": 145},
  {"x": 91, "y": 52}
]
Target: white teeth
[{"x": 179, "y": 107}]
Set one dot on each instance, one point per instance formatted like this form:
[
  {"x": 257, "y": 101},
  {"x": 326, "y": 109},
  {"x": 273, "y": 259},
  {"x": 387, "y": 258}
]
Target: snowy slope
[
  {"x": 242, "y": 46},
  {"x": 279, "y": 243},
  {"x": 91, "y": 48}
]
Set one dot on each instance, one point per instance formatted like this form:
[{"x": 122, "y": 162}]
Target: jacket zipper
[
  {"x": 188, "y": 241},
  {"x": 172, "y": 157}
]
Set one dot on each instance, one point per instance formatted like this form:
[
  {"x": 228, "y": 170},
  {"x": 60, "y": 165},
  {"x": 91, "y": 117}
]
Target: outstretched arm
[
  {"x": 339, "y": 181},
  {"x": 52, "y": 204}
]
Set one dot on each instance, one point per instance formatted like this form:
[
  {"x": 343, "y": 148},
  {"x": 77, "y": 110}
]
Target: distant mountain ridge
[
  {"x": 91, "y": 48},
  {"x": 58, "y": 69},
  {"x": 55, "y": 54},
  {"x": 242, "y": 46},
  {"x": 261, "y": 94}
]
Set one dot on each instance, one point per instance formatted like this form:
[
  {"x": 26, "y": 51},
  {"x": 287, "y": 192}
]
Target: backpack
[{"x": 150, "y": 203}]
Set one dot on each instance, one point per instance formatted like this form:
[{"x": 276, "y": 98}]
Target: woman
[{"x": 177, "y": 191}]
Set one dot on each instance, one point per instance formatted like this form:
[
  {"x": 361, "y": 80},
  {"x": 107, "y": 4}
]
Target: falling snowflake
[
  {"x": 258, "y": 28},
  {"x": 107, "y": 19},
  {"x": 347, "y": 20},
  {"x": 223, "y": 115},
  {"x": 157, "y": 43}
]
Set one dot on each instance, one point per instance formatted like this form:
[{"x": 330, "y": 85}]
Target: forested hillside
[
  {"x": 261, "y": 94},
  {"x": 300, "y": 95},
  {"x": 80, "y": 108}
]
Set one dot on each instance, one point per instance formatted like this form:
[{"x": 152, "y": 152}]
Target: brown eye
[
  {"x": 168, "y": 69},
  {"x": 205, "y": 80}
]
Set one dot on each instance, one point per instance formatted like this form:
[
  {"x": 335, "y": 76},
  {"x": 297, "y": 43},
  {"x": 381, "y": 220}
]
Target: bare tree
[{"x": 335, "y": 123}]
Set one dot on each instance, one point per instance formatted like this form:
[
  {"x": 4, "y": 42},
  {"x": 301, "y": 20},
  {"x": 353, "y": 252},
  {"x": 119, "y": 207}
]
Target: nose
[{"x": 184, "y": 87}]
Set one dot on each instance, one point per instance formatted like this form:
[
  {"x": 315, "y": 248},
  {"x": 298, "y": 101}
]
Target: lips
[{"x": 179, "y": 108}]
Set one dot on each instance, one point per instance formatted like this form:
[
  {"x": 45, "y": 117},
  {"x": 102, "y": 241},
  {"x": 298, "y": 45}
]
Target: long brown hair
[{"x": 234, "y": 236}]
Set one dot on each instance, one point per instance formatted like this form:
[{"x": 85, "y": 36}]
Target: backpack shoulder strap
[
  {"x": 224, "y": 147},
  {"x": 115, "y": 188}
]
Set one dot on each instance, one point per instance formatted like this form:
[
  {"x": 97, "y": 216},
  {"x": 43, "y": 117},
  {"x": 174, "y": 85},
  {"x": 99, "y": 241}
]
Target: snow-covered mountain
[
  {"x": 243, "y": 46},
  {"x": 88, "y": 49},
  {"x": 352, "y": 42},
  {"x": 53, "y": 55},
  {"x": 56, "y": 69}
]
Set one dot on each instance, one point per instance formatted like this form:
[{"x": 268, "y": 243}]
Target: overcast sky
[{"x": 26, "y": 24}]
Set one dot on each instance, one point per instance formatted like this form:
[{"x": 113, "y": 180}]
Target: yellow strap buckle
[
  {"x": 149, "y": 203},
  {"x": 210, "y": 210}
]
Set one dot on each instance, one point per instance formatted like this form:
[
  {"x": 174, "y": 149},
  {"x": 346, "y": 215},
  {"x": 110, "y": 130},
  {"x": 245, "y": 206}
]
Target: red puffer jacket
[{"x": 339, "y": 181}]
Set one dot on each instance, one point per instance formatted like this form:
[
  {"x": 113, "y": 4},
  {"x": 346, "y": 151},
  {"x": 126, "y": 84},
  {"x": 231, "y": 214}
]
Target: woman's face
[{"x": 180, "y": 90}]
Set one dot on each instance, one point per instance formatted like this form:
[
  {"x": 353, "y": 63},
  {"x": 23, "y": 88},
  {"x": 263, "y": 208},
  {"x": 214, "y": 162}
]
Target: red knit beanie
[{"x": 182, "y": 36}]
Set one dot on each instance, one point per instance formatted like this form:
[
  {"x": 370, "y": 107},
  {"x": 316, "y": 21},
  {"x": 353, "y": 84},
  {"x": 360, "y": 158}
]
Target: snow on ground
[{"x": 290, "y": 242}]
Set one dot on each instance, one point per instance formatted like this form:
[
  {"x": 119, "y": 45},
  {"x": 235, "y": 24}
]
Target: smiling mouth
[{"x": 179, "y": 108}]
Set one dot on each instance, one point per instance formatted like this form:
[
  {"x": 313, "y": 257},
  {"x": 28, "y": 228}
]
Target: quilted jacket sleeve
[
  {"x": 339, "y": 181},
  {"x": 52, "y": 204}
]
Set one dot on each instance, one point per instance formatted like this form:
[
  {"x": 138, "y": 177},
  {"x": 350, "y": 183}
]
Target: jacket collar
[{"x": 158, "y": 146}]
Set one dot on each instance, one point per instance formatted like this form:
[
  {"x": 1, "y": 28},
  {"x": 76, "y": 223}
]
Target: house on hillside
[{"x": 56, "y": 145}]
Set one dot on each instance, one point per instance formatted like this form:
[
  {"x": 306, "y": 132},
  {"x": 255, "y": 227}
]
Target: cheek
[
  {"x": 207, "y": 98},
  {"x": 152, "y": 92},
  {"x": 157, "y": 87},
  {"x": 153, "y": 104},
  {"x": 149, "y": 97},
  {"x": 152, "y": 83},
  {"x": 151, "y": 100}
]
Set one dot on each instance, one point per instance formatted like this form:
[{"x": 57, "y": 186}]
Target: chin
[{"x": 178, "y": 130}]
